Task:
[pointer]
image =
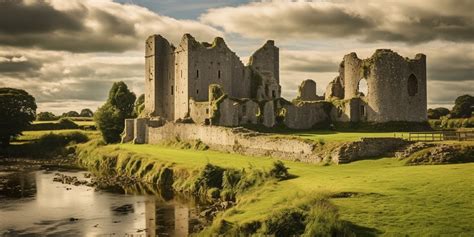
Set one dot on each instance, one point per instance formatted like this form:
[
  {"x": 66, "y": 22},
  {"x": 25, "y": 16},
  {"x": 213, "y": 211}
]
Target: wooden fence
[{"x": 441, "y": 136}]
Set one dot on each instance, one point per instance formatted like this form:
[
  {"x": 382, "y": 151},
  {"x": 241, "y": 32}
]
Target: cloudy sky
[{"x": 68, "y": 53}]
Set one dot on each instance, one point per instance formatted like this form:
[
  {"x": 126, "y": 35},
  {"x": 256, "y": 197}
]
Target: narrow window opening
[
  {"x": 197, "y": 92},
  {"x": 219, "y": 74},
  {"x": 172, "y": 90},
  {"x": 412, "y": 85},
  {"x": 197, "y": 74},
  {"x": 273, "y": 94},
  {"x": 207, "y": 111},
  {"x": 362, "y": 111}
]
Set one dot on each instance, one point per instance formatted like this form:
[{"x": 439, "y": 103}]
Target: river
[{"x": 32, "y": 204}]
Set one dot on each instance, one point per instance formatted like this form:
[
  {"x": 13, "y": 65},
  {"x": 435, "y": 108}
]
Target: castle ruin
[{"x": 207, "y": 84}]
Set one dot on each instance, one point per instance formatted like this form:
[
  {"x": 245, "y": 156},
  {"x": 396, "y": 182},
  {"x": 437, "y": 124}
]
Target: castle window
[
  {"x": 197, "y": 92},
  {"x": 219, "y": 74},
  {"x": 197, "y": 74},
  {"x": 172, "y": 90},
  {"x": 273, "y": 94},
  {"x": 207, "y": 111},
  {"x": 362, "y": 111},
  {"x": 412, "y": 85},
  {"x": 362, "y": 88}
]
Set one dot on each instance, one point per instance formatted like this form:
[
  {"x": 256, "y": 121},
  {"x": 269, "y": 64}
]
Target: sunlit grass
[{"x": 395, "y": 199}]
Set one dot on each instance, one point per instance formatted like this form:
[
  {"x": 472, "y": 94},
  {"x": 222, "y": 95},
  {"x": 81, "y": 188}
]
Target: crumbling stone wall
[
  {"x": 306, "y": 115},
  {"x": 367, "y": 147},
  {"x": 307, "y": 91},
  {"x": 128, "y": 133},
  {"x": 237, "y": 140},
  {"x": 396, "y": 87},
  {"x": 199, "y": 111}
]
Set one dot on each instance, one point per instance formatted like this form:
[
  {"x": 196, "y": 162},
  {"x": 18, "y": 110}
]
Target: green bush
[
  {"x": 209, "y": 177},
  {"x": 53, "y": 140},
  {"x": 279, "y": 170},
  {"x": 66, "y": 123}
]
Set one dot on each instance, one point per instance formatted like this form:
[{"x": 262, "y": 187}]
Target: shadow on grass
[{"x": 362, "y": 230}]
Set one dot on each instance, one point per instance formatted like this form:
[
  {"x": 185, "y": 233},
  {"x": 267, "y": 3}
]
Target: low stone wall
[
  {"x": 246, "y": 142},
  {"x": 367, "y": 147},
  {"x": 237, "y": 140}
]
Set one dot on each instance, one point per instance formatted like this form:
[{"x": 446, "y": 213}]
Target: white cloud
[{"x": 368, "y": 21}]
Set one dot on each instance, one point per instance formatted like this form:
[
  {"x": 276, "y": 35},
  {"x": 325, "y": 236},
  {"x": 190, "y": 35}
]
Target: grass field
[
  {"x": 33, "y": 135},
  {"x": 392, "y": 198}
]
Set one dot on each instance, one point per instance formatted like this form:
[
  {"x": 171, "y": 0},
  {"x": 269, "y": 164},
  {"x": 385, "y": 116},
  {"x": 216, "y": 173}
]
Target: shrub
[
  {"x": 66, "y": 123},
  {"x": 279, "y": 170},
  {"x": 46, "y": 116},
  {"x": 110, "y": 117},
  {"x": 53, "y": 140},
  {"x": 209, "y": 177}
]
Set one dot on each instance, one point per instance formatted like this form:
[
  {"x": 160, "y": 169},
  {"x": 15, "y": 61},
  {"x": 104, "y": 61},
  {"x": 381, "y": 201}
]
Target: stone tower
[
  {"x": 396, "y": 87},
  {"x": 159, "y": 78}
]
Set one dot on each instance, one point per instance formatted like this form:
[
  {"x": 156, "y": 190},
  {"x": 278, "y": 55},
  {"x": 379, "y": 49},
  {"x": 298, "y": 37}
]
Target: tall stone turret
[{"x": 159, "y": 78}]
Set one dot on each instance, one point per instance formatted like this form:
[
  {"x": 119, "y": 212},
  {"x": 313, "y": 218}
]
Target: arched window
[
  {"x": 362, "y": 87},
  {"x": 412, "y": 85}
]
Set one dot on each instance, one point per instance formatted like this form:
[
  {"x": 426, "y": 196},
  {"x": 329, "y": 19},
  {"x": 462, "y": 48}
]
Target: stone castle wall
[
  {"x": 396, "y": 87},
  {"x": 250, "y": 143}
]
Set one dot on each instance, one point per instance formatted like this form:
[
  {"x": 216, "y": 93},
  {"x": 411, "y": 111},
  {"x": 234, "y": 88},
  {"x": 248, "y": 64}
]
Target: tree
[
  {"x": 110, "y": 117},
  {"x": 437, "y": 113},
  {"x": 17, "y": 111},
  {"x": 71, "y": 114},
  {"x": 86, "y": 113},
  {"x": 463, "y": 107},
  {"x": 46, "y": 116},
  {"x": 139, "y": 105}
]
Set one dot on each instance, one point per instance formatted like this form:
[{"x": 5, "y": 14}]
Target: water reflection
[{"x": 32, "y": 204}]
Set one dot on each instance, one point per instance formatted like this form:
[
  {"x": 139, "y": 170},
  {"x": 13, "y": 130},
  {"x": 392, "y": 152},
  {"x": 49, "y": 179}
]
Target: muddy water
[{"x": 31, "y": 204}]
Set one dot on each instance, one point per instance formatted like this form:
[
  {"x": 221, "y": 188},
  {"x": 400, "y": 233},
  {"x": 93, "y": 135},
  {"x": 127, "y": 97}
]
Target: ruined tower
[
  {"x": 396, "y": 87},
  {"x": 159, "y": 78}
]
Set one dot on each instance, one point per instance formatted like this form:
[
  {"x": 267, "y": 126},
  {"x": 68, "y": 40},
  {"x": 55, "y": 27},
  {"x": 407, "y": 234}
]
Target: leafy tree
[
  {"x": 463, "y": 107},
  {"x": 110, "y": 117},
  {"x": 437, "y": 113},
  {"x": 46, "y": 116},
  {"x": 71, "y": 114},
  {"x": 17, "y": 111},
  {"x": 139, "y": 105},
  {"x": 86, "y": 113}
]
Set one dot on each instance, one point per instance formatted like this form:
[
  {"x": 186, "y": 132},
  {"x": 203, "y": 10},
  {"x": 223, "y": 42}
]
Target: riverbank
[{"x": 377, "y": 196}]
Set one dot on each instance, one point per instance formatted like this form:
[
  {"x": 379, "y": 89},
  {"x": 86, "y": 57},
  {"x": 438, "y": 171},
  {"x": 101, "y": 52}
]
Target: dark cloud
[
  {"x": 19, "y": 66},
  {"x": 17, "y": 17},
  {"x": 452, "y": 66},
  {"x": 87, "y": 26}
]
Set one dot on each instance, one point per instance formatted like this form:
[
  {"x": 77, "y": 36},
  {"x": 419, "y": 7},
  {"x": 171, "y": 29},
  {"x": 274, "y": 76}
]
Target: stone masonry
[{"x": 208, "y": 85}]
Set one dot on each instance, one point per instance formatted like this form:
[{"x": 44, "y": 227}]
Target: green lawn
[
  {"x": 393, "y": 198},
  {"x": 33, "y": 135},
  {"x": 80, "y": 123},
  {"x": 333, "y": 136}
]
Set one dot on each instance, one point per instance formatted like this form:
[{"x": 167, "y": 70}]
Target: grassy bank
[{"x": 378, "y": 196}]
